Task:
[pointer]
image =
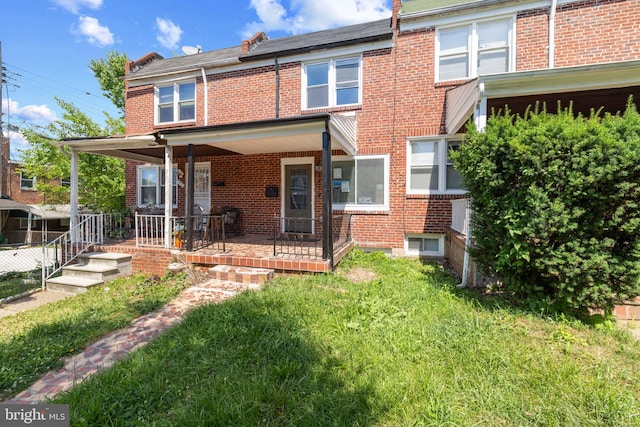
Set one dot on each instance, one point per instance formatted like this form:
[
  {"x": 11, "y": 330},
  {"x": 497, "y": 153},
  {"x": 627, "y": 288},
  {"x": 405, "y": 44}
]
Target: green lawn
[
  {"x": 36, "y": 341},
  {"x": 381, "y": 342},
  {"x": 11, "y": 284}
]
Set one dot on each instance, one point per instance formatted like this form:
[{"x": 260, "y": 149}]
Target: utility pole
[{"x": 1, "y": 131}]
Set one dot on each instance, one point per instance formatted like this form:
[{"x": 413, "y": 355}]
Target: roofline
[
  {"x": 464, "y": 7},
  {"x": 250, "y": 125},
  {"x": 249, "y": 57}
]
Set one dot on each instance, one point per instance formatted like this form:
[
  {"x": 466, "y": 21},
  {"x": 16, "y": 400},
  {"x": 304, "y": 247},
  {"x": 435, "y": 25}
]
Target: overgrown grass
[
  {"x": 35, "y": 341},
  {"x": 403, "y": 348},
  {"x": 12, "y": 284}
]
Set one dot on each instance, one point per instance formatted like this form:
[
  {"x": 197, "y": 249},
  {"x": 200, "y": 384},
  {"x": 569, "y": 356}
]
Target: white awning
[
  {"x": 51, "y": 211},
  {"x": 294, "y": 134},
  {"x": 288, "y": 134},
  {"x": 10, "y": 205}
]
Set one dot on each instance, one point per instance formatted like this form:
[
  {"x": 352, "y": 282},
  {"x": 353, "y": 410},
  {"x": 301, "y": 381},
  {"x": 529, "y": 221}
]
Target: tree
[
  {"x": 101, "y": 179},
  {"x": 110, "y": 73},
  {"x": 555, "y": 200}
]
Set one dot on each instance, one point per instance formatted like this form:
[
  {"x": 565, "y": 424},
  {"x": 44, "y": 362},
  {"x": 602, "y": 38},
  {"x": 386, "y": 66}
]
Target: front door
[
  {"x": 298, "y": 198},
  {"x": 202, "y": 187}
]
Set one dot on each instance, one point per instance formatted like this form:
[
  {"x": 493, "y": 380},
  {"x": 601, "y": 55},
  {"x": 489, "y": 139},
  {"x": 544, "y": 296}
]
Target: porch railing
[
  {"x": 66, "y": 248},
  {"x": 208, "y": 230},
  {"x": 293, "y": 236},
  {"x": 303, "y": 237}
]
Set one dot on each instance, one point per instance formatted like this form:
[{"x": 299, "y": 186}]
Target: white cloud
[
  {"x": 74, "y": 6},
  {"x": 313, "y": 15},
  {"x": 168, "y": 33},
  {"x": 18, "y": 143},
  {"x": 39, "y": 114},
  {"x": 94, "y": 32}
]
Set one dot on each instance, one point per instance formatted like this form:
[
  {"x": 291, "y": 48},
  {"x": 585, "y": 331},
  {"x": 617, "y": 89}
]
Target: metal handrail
[{"x": 66, "y": 248}]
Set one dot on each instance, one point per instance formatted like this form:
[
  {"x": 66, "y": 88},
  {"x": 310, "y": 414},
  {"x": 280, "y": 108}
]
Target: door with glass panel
[
  {"x": 202, "y": 187},
  {"x": 298, "y": 198}
]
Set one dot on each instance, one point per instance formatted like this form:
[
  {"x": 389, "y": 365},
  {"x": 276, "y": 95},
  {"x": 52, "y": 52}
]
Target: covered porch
[{"x": 255, "y": 193}]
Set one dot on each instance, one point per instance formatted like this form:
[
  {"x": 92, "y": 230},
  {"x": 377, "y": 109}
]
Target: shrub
[{"x": 555, "y": 200}]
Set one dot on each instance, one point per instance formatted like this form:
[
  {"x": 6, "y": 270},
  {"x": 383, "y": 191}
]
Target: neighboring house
[
  {"x": 20, "y": 199},
  {"x": 359, "y": 120}
]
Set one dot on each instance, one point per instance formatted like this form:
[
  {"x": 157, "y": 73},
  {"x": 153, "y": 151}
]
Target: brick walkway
[{"x": 117, "y": 345}]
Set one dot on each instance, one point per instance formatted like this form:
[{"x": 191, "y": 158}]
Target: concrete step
[
  {"x": 120, "y": 261},
  {"x": 104, "y": 273},
  {"x": 244, "y": 275},
  {"x": 71, "y": 284}
]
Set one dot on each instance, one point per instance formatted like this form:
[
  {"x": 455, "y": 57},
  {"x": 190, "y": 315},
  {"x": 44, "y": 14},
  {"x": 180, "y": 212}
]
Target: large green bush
[{"x": 556, "y": 205}]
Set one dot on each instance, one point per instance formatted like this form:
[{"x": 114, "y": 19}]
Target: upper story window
[
  {"x": 475, "y": 49},
  {"x": 27, "y": 182},
  {"x": 429, "y": 168},
  {"x": 331, "y": 83},
  {"x": 176, "y": 102},
  {"x": 361, "y": 183}
]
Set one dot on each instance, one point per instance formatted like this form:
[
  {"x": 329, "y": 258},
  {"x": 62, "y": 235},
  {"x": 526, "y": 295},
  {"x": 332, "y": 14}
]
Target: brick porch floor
[{"x": 246, "y": 251}]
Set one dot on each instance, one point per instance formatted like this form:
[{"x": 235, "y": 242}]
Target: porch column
[
  {"x": 327, "y": 200},
  {"x": 188, "y": 211},
  {"x": 481, "y": 110},
  {"x": 168, "y": 194},
  {"x": 73, "y": 221}
]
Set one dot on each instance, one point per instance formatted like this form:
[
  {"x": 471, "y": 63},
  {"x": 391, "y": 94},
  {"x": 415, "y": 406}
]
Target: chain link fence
[{"x": 20, "y": 269}]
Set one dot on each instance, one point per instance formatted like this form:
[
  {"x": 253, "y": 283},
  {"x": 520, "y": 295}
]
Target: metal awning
[
  {"x": 462, "y": 100},
  {"x": 289, "y": 134},
  {"x": 10, "y": 205},
  {"x": 51, "y": 211}
]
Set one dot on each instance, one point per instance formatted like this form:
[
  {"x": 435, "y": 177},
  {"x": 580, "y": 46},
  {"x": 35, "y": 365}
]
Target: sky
[{"x": 47, "y": 45}]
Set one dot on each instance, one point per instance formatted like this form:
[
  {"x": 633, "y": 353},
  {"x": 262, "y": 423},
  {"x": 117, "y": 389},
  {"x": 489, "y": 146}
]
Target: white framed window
[
  {"x": 360, "y": 182},
  {"x": 151, "y": 186},
  {"x": 424, "y": 245},
  {"x": 476, "y": 48},
  {"x": 175, "y": 102},
  {"x": 332, "y": 83},
  {"x": 429, "y": 166},
  {"x": 27, "y": 182}
]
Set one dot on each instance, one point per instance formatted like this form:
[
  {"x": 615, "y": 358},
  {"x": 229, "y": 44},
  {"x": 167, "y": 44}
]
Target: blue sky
[{"x": 47, "y": 44}]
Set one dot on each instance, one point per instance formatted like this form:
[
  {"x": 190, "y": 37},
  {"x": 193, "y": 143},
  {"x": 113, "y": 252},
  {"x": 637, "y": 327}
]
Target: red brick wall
[
  {"x": 597, "y": 31},
  {"x": 532, "y": 37},
  {"x": 29, "y": 197},
  {"x": 144, "y": 260}
]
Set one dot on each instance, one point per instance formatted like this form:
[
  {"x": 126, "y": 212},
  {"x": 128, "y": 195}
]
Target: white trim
[
  {"x": 355, "y": 206},
  {"x": 472, "y": 45},
  {"x": 466, "y": 12},
  {"x": 159, "y": 183},
  {"x": 331, "y": 81},
  {"x": 288, "y": 161},
  {"x": 176, "y": 101},
  {"x": 410, "y": 252},
  {"x": 441, "y": 157}
]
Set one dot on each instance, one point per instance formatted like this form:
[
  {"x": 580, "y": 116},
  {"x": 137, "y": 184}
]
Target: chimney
[{"x": 257, "y": 38}]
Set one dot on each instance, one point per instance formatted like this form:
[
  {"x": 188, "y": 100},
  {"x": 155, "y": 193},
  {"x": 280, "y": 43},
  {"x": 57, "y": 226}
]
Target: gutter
[
  {"x": 552, "y": 33},
  {"x": 206, "y": 96}
]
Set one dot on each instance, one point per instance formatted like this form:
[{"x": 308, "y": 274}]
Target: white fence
[{"x": 460, "y": 216}]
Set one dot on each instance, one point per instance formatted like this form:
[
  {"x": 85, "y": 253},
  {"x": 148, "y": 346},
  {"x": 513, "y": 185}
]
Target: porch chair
[{"x": 214, "y": 223}]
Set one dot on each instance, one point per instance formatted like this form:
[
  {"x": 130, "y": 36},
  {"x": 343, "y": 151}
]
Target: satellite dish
[{"x": 191, "y": 50}]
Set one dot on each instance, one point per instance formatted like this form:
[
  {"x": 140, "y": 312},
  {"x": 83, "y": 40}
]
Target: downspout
[
  {"x": 552, "y": 33},
  {"x": 277, "y": 87},
  {"x": 327, "y": 201},
  {"x": 206, "y": 97},
  {"x": 467, "y": 247}
]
